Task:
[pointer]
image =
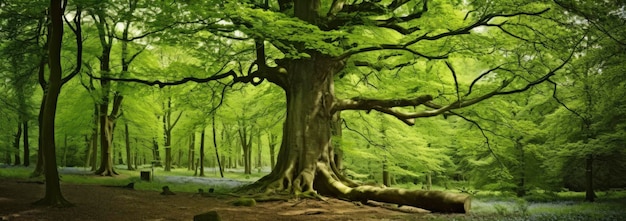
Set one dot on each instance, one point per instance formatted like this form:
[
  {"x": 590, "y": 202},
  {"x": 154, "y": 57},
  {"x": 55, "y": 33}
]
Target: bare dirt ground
[{"x": 93, "y": 202}]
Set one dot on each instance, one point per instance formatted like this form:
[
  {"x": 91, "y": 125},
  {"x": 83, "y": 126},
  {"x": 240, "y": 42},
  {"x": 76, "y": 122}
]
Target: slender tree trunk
[
  {"x": 53, "y": 195},
  {"x": 128, "y": 153},
  {"x": 65, "y": 149},
  {"x": 521, "y": 188},
  {"x": 136, "y": 156},
  {"x": 39, "y": 167},
  {"x": 259, "y": 162},
  {"x": 180, "y": 158},
  {"x": 26, "y": 145},
  {"x": 107, "y": 121},
  {"x": 156, "y": 156},
  {"x": 167, "y": 141},
  {"x": 16, "y": 145},
  {"x": 202, "y": 153},
  {"x": 7, "y": 157},
  {"x": 429, "y": 180},
  {"x": 246, "y": 146},
  {"x": 87, "y": 156},
  {"x": 217, "y": 155},
  {"x": 386, "y": 180},
  {"x": 94, "y": 139},
  {"x": 590, "y": 195},
  {"x": 272, "y": 139},
  {"x": 192, "y": 150}
]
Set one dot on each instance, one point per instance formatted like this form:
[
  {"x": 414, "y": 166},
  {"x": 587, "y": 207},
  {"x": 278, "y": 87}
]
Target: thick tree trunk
[
  {"x": 26, "y": 145},
  {"x": 306, "y": 157},
  {"x": 106, "y": 143},
  {"x": 16, "y": 145},
  {"x": 53, "y": 196}
]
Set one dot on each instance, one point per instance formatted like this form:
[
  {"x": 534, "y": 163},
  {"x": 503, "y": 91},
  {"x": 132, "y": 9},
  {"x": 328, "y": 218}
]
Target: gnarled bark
[{"x": 306, "y": 160}]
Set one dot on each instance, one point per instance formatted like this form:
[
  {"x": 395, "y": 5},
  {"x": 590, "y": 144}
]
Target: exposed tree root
[
  {"x": 103, "y": 172},
  {"x": 434, "y": 201},
  {"x": 282, "y": 186},
  {"x": 395, "y": 207},
  {"x": 53, "y": 201}
]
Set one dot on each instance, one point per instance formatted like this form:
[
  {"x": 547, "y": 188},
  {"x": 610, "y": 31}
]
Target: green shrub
[{"x": 501, "y": 209}]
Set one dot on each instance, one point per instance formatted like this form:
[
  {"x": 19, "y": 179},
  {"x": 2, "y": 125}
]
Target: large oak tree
[{"x": 321, "y": 42}]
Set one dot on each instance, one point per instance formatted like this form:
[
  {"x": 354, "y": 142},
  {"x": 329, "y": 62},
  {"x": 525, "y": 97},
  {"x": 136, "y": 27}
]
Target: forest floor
[{"x": 96, "y": 202}]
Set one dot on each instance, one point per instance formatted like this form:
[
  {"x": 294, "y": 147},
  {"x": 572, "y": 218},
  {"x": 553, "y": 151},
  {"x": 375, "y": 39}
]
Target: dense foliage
[{"x": 560, "y": 65}]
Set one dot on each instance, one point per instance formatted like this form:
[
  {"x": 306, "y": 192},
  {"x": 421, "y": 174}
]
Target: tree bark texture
[
  {"x": 39, "y": 169},
  {"x": 156, "y": 155},
  {"x": 202, "y": 153},
  {"x": 129, "y": 164},
  {"x": 272, "y": 138},
  {"x": 259, "y": 162},
  {"x": 53, "y": 195},
  {"x": 306, "y": 157},
  {"x": 590, "y": 195},
  {"x": 217, "y": 155},
  {"x": 168, "y": 142},
  {"x": 245, "y": 137},
  {"x": 192, "y": 140},
  {"x": 106, "y": 142},
  {"x": 16, "y": 145},
  {"x": 26, "y": 144}
]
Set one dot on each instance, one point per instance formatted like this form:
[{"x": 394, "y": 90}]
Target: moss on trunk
[{"x": 306, "y": 159}]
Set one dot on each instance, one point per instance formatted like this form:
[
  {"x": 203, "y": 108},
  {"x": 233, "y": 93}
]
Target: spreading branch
[
  {"x": 437, "y": 109},
  {"x": 349, "y": 53},
  {"x": 276, "y": 75},
  {"x": 456, "y": 82},
  {"x": 360, "y": 103},
  {"x": 339, "y": 15},
  {"x": 77, "y": 29},
  {"x": 563, "y": 104},
  {"x": 482, "y": 131},
  {"x": 162, "y": 84}
]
